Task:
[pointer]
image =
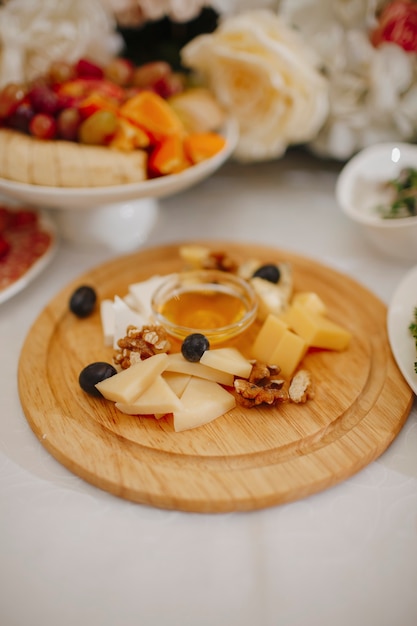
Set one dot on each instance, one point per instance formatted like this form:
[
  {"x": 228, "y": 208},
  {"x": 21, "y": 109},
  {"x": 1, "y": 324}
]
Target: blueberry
[
  {"x": 82, "y": 301},
  {"x": 194, "y": 346},
  {"x": 93, "y": 374},
  {"x": 268, "y": 272}
]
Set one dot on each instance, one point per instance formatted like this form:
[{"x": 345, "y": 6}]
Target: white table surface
[{"x": 72, "y": 555}]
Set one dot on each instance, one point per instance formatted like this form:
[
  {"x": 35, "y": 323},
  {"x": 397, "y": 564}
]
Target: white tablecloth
[{"x": 72, "y": 555}]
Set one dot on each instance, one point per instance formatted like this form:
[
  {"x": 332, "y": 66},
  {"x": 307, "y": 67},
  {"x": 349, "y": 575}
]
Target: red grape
[
  {"x": 21, "y": 118},
  {"x": 68, "y": 123},
  {"x": 87, "y": 69},
  {"x": 120, "y": 71},
  {"x": 43, "y": 126},
  {"x": 10, "y": 97},
  {"x": 43, "y": 99}
]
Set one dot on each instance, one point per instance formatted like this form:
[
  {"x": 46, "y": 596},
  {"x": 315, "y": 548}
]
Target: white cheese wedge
[
  {"x": 227, "y": 360},
  {"x": 177, "y": 381},
  {"x": 203, "y": 401},
  {"x": 272, "y": 298},
  {"x": 158, "y": 399},
  {"x": 124, "y": 316},
  {"x": 177, "y": 363},
  {"x": 107, "y": 321},
  {"x": 129, "y": 384},
  {"x": 142, "y": 293}
]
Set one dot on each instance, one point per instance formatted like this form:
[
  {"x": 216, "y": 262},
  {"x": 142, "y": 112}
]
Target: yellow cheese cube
[
  {"x": 317, "y": 330},
  {"x": 311, "y": 300},
  {"x": 289, "y": 352},
  {"x": 268, "y": 337}
]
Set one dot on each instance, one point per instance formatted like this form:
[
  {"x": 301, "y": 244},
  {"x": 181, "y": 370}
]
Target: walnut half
[{"x": 139, "y": 344}]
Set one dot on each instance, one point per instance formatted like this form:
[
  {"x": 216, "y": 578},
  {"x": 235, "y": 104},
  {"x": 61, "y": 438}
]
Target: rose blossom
[
  {"x": 398, "y": 24},
  {"x": 264, "y": 76}
]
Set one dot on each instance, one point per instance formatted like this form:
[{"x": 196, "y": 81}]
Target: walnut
[
  {"x": 301, "y": 387},
  {"x": 264, "y": 386},
  {"x": 219, "y": 261},
  {"x": 251, "y": 394},
  {"x": 261, "y": 372},
  {"x": 139, "y": 344}
]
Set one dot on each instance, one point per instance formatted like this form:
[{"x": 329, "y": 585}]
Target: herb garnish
[
  {"x": 413, "y": 330},
  {"x": 403, "y": 190}
]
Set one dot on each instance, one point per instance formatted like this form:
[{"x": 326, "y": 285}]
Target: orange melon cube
[
  {"x": 201, "y": 146},
  {"x": 153, "y": 114}
]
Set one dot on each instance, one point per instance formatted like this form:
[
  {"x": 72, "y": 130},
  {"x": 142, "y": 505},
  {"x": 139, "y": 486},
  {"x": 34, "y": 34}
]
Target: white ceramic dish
[
  {"x": 358, "y": 192},
  {"x": 119, "y": 216},
  {"x": 400, "y": 315},
  {"x": 37, "y": 267}
]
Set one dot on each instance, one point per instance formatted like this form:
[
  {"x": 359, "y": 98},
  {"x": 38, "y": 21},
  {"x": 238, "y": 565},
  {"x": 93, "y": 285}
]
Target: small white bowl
[{"x": 359, "y": 192}]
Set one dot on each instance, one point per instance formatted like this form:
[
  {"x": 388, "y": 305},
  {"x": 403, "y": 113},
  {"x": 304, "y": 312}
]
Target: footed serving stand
[{"x": 118, "y": 217}]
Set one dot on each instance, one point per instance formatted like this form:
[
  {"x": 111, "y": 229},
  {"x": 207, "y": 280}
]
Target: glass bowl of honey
[{"x": 217, "y": 304}]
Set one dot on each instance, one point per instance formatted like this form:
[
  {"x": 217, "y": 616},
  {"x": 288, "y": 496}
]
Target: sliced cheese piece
[
  {"x": 107, "y": 321},
  {"x": 194, "y": 256},
  {"x": 271, "y": 297},
  {"x": 158, "y": 399},
  {"x": 203, "y": 401},
  {"x": 227, "y": 360},
  {"x": 317, "y": 330},
  {"x": 289, "y": 353},
  {"x": 143, "y": 291},
  {"x": 124, "y": 316},
  {"x": 311, "y": 300},
  {"x": 268, "y": 338},
  {"x": 177, "y": 363},
  {"x": 177, "y": 381},
  {"x": 129, "y": 384}
]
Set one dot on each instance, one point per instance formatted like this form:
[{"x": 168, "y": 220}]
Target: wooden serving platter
[{"x": 248, "y": 459}]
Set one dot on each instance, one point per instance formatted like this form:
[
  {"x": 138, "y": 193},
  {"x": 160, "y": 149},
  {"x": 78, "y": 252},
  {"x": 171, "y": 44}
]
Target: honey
[{"x": 204, "y": 309}]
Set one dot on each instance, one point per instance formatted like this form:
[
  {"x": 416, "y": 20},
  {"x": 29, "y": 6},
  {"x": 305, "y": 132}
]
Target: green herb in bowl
[
  {"x": 403, "y": 190},
  {"x": 413, "y": 330}
]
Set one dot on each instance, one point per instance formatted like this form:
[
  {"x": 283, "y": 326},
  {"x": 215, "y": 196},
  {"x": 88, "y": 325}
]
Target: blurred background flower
[
  {"x": 264, "y": 76},
  {"x": 368, "y": 55}
]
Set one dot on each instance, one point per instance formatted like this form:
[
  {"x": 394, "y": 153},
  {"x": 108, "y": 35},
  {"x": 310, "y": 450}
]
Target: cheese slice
[
  {"x": 177, "y": 381},
  {"x": 227, "y": 360},
  {"x": 317, "y": 330},
  {"x": 177, "y": 363},
  {"x": 130, "y": 383},
  {"x": 124, "y": 316},
  {"x": 158, "y": 399},
  {"x": 272, "y": 298},
  {"x": 203, "y": 401},
  {"x": 143, "y": 291}
]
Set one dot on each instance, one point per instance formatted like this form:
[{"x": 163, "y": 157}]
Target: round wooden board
[{"x": 248, "y": 459}]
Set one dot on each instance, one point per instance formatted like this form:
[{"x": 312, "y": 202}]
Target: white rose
[{"x": 266, "y": 77}]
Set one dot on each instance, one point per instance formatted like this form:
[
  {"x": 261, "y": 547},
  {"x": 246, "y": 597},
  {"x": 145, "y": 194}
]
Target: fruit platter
[
  {"x": 196, "y": 424},
  {"x": 92, "y": 141}
]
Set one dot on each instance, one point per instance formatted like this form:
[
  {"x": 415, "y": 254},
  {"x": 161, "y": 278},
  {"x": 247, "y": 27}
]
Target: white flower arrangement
[{"x": 372, "y": 90}]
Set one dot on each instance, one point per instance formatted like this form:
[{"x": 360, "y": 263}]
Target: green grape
[{"x": 98, "y": 128}]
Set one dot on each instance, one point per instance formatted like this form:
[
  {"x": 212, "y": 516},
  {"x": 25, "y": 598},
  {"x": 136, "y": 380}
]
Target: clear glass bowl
[{"x": 218, "y": 304}]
